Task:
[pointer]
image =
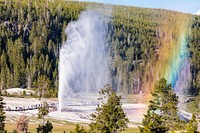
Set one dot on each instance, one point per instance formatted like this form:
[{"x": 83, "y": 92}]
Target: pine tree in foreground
[
  {"x": 47, "y": 128},
  {"x": 79, "y": 129},
  {"x": 42, "y": 112},
  {"x": 192, "y": 126},
  {"x": 109, "y": 116},
  {"x": 162, "y": 115}
]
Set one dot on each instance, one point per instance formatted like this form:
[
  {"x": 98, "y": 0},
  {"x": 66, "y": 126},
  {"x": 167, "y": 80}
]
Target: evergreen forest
[{"x": 33, "y": 31}]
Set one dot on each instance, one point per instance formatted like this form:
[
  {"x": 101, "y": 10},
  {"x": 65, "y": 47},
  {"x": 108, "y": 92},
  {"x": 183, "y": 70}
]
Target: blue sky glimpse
[{"x": 186, "y": 6}]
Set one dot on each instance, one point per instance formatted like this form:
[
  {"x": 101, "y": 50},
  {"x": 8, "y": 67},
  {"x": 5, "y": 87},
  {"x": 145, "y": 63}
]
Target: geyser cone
[{"x": 83, "y": 67}]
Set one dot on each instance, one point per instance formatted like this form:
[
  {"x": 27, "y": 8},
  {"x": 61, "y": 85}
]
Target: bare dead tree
[{"x": 22, "y": 124}]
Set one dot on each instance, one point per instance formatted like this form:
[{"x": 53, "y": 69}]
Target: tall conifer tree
[
  {"x": 109, "y": 117},
  {"x": 162, "y": 115}
]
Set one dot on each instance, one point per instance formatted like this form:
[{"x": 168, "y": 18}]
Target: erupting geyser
[{"x": 83, "y": 66}]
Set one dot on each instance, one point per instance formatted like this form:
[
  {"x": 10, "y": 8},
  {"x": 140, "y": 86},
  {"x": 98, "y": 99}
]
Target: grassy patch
[
  {"x": 60, "y": 128},
  {"x": 131, "y": 130},
  {"x": 192, "y": 106},
  {"x": 57, "y": 128}
]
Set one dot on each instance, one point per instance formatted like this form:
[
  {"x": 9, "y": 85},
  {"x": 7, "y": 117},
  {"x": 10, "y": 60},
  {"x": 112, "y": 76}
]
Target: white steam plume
[{"x": 83, "y": 67}]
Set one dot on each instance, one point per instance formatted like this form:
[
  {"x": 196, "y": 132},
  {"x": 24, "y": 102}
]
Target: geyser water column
[{"x": 83, "y": 66}]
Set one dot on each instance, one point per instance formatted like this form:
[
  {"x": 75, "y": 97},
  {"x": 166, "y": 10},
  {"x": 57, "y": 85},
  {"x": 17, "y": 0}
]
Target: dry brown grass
[{"x": 60, "y": 128}]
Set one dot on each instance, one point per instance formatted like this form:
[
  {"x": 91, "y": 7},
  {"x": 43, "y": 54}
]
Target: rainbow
[
  {"x": 178, "y": 71},
  {"x": 172, "y": 63},
  {"x": 177, "y": 61}
]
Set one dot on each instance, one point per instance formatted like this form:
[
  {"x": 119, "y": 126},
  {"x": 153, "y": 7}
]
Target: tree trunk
[
  {"x": 43, "y": 124},
  {"x": 43, "y": 120}
]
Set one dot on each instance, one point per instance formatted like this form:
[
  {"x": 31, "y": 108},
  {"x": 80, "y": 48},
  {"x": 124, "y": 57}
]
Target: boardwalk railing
[{"x": 32, "y": 107}]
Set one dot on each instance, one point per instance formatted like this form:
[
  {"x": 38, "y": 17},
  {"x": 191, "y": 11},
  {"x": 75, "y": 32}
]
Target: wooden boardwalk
[{"x": 31, "y": 107}]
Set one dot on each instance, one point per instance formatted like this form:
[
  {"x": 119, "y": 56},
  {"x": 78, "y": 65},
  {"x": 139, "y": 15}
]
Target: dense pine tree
[
  {"x": 194, "y": 53},
  {"x": 47, "y": 128},
  {"x": 162, "y": 114},
  {"x": 192, "y": 126},
  {"x": 79, "y": 129},
  {"x": 43, "y": 111},
  {"x": 109, "y": 116}
]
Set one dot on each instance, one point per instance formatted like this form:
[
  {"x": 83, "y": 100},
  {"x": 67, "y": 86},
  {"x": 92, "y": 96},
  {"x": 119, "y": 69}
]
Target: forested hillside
[
  {"x": 194, "y": 53},
  {"x": 32, "y": 32},
  {"x": 139, "y": 45}
]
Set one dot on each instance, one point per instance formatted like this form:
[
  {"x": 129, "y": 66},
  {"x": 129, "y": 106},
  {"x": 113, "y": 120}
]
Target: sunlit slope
[{"x": 152, "y": 48}]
